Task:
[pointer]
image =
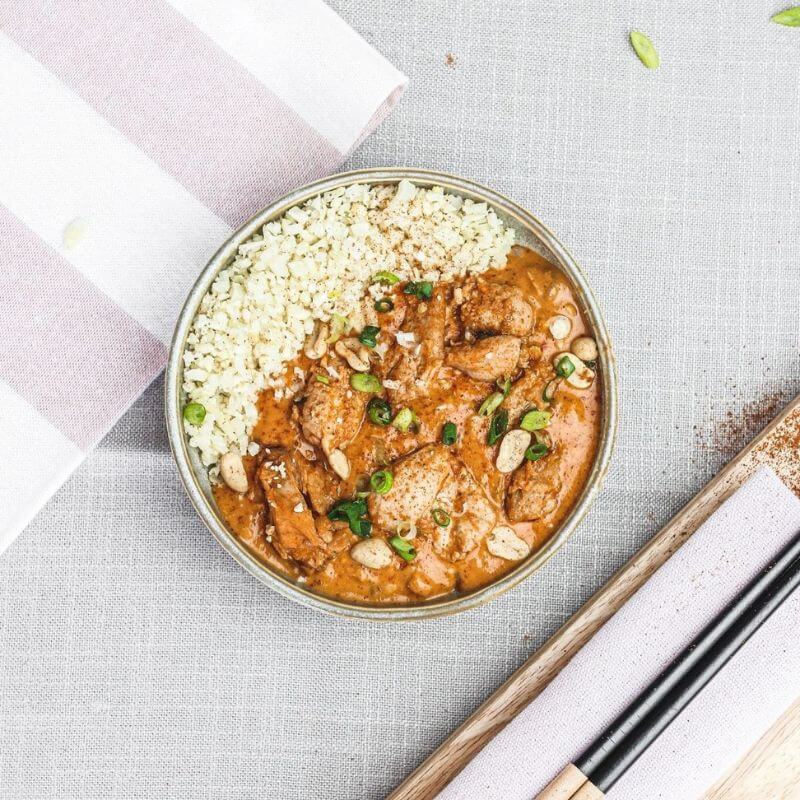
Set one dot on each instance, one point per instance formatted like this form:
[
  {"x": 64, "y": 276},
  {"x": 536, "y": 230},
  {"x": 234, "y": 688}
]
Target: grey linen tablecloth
[{"x": 138, "y": 661}]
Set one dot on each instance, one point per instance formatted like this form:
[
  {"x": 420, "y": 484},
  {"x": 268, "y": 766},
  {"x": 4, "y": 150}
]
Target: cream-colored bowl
[{"x": 529, "y": 231}]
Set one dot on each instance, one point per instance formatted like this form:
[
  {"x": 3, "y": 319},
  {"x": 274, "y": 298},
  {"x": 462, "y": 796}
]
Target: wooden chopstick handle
[
  {"x": 570, "y": 784},
  {"x": 588, "y": 792}
]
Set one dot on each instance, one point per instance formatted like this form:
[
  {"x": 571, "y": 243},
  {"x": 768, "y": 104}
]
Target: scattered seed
[
  {"x": 645, "y": 49},
  {"x": 512, "y": 450},
  {"x": 790, "y": 17},
  {"x": 231, "y": 468},
  {"x": 504, "y": 543},
  {"x": 372, "y": 553},
  {"x": 585, "y": 348},
  {"x": 560, "y": 326}
]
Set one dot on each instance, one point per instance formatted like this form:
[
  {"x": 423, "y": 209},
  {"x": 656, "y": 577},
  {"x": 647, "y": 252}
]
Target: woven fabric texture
[{"x": 138, "y": 661}]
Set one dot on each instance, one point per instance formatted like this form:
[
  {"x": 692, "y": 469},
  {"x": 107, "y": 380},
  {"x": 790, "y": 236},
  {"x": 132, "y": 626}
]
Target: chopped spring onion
[
  {"x": 498, "y": 426},
  {"x": 369, "y": 336},
  {"x": 404, "y": 549},
  {"x": 389, "y": 278},
  {"x": 490, "y": 404},
  {"x": 406, "y": 529},
  {"x": 381, "y": 481},
  {"x": 536, "y": 451},
  {"x": 549, "y": 391},
  {"x": 440, "y": 517},
  {"x": 789, "y": 17},
  {"x": 383, "y": 305},
  {"x": 365, "y": 382},
  {"x": 422, "y": 290},
  {"x": 404, "y": 420},
  {"x": 535, "y": 420},
  {"x": 194, "y": 413},
  {"x": 565, "y": 367},
  {"x": 379, "y": 412},
  {"x": 449, "y": 433},
  {"x": 504, "y": 386},
  {"x": 352, "y": 511},
  {"x": 323, "y": 379},
  {"x": 339, "y": 325}
]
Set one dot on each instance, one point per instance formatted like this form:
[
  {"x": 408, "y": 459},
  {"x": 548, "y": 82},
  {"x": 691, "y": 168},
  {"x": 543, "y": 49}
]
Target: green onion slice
[
  {"x": 789, "y": 17},
  {"x": 339, "y": 325},
  {"x": 404, "y": 549},
  {"x": 379, "y": 411},
  {"x": 535, "y": 420},
  {"x": 365, "y": 382},
  {"x": 389, "y": 278},
  {"x": 369, "y": 336},
  {"x": 381, "y": 481},
  {"x": 383, "y": 305},
  {"x": 645, "y": 49},
  {"x": 440, "y": 517},
  {"x": 323, "y": 379},
  {"x": 504, "y": 386},
  {"x": 449, "y": 433},
  {"x": 536, "y": 451},
  {"x": 565, "y": 367},
  {"x": 422, "y": 290},
  {"x": 194, "y": 413},
  {"x": 404, "y": 420},
  {"x": 352, "y": 511},
  {"x": 490, "y": 404},
  {"x": 498, "y": 426},
  {"x": 549, "y": 391}
]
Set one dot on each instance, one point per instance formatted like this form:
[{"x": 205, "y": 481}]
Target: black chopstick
[{"x": 631, "y": 733}]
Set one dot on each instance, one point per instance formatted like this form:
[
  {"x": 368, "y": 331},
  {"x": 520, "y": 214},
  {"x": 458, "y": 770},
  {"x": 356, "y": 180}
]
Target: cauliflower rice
[{"x": 315, "y": 261}]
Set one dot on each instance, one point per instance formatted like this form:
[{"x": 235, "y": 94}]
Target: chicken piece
[
  {"x": 533, "y": 490},
  {"x": 478, "y": 457},
  {"x": 473, "y": 515},
  {"x": 428, "y": 321},
  {"x": 332, "y": 413},
  {"x": 486, "y": 359},
  {"x": 417, "y": 480},
  {"x": 415, "y": 364},
  {"x": 497, "y": 308},
  {"x": 526, "y": 393},
  {"x": 319, "y": 486},
  {"x": 452, "y": 325},
  {"x": 430, "y": 575},
  {"x": 295, "y": 534}
]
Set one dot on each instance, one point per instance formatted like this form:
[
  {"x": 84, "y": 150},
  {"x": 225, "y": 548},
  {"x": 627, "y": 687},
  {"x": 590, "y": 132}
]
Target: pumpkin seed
[
  {"x": 644, "y": 48},
  {"x": 790, "y": 17}
]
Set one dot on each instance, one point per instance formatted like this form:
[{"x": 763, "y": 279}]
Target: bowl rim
[{"x": 282, "y": 583}]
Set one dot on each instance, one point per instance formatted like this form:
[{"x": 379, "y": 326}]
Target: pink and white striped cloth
[{"x": 134, "y": 136}]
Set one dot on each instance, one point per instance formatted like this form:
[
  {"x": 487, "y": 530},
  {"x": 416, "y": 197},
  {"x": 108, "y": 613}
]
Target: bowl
[{"x": 530, "y": 232}]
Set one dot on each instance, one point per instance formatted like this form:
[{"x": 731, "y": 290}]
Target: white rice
[{"x": 315, "y": 261}]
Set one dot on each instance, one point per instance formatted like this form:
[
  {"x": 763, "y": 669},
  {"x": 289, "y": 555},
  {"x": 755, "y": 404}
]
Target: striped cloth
[{"x": 134, "y": 136}]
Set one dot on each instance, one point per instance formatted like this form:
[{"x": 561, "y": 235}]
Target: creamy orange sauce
[{"x": 574, "y": 430}]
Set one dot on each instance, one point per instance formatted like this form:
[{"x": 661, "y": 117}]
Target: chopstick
[{"x": 635, "y": 729}]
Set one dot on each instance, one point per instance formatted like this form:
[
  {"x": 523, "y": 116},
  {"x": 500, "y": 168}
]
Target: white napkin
[
  {"x": 134, "y": 136},
  {"x": 722, "y": 722}
]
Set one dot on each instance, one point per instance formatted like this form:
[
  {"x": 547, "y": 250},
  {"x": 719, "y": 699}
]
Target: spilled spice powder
[
  {"x": 737, "y": 428},
  {"x": 781, "y": 450}
]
